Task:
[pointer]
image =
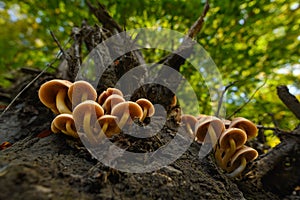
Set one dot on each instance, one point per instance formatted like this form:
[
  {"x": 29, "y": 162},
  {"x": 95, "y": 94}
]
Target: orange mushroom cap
[
  {"x": 246, "y": 125},
  {"x": 111, "y": 101},
  {"x": 238, "y": 135},
  {"x": 230, "y": 140},
  {"x": 189, "y": 121},
  {"x": 147, "y": 106},
  {"x": 108, "y": 124},
  {"x": 204, "y": 125},
  {"x": 126, "y": 111},
  {"x": 53, "y": 94},
  {"x": 105, "y": 94},
  {"x": 64, "y": 123},
  {"x": 240, "y": 159},
  {"x": 174, "y": 101},
  {"x": 81, "y": 91},
  {"x": 247, "y": 152},
  {"x": 85, "y": 116}
]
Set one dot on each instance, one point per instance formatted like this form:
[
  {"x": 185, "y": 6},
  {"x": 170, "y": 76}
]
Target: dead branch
[
  {"x": 197, "y": 26},
  {"x": 174, "y": 59},
  {"x": 289, "y": 100},
  {"x": 104, "y": 18}
]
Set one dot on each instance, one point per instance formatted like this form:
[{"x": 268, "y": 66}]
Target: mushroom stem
[
  {"x": 218, "y": 156},
  {"x": 123, "y": 120},
  {"x": 145, "y": 113},
  {"x": 70, "y": 129},
  {"x": 84, "y": 96},
  {"x": 229, "y": 153},
  {"x": 190, "y": 130},
  {"x": 60, "y": 102},
  {"x": 104, "y": 127},
  {"x": 87, "y": 124},
  {"x": 240, "y": 168},
  {"x": 101, "y": 134},
  {"x": 212, "y": 135},
  {"x": 103, "y": 130}
]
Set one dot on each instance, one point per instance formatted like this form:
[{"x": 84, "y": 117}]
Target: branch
[
  {"x": 251, "y": 97},
  {"x": 197, "y": 26},
  {"x": 58, "y": 44},
  {"x": 289, "y": 100},
  {"x": 222, "y": 97},
  {"x": 173, "y": 59},
  {"x": 104, "y": 17},
  {"x": 37, "y": 76}
]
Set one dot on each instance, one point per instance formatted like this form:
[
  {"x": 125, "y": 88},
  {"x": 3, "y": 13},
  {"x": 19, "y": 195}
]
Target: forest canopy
[{"x": 255, "y": 45}]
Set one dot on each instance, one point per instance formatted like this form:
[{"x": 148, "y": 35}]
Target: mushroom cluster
[
  {"x": 77, "y": 104},
  {"x": 228, "y": 139}
]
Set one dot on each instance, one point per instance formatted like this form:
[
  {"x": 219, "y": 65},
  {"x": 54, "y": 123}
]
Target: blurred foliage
[{"x": 250, "y": 41}]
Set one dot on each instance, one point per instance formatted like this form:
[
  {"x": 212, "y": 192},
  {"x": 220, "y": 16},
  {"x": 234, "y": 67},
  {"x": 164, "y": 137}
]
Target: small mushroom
[
  {"x": 240, "y": 159},
  {"x": 64, "y": 123},
  {"x": 226, "y": 123},
  {"x": 230, "y": 140},
  {"x": 201, "y": 116},
  {"x": 111, "y": 101},
  {"x": 109, "y": 91},
  {"x": 81, "y": 91},
  {"x": 126, "y": 111},
  {"x": 189, "y": 121},
  {"x": 147, "y": 106},
  {"x": 85, "y": 116},
  {"x": 174, "y": 101},
  {"x": 211, "y": 125},
  {"x": 246, "y": 125},
  {"x": 53, "y": 94},
  {"x": 108, "y": 125}
]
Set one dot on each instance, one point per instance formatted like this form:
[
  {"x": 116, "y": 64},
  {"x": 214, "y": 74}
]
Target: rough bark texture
[{"x": 289, "y": 100}]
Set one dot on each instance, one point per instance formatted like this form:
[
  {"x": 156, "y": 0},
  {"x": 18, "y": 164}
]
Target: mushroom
[
  {"x": 226, "y": 123},
  {"x": 240, "y": 159},
  {"x": 109, "y": 91},
  {"x": 53, "y": 94},
  {"x": 230, "y": 140},
  {"x": 108, "y": 125},
  {"x": 174, "y": 101},
  {"x": 200, "y": 116},
  {"x": 111, "y": 101},
  {"x": 81, "y": 91},
  {"x": 85, "y": 116},
  {"x": 246, "y": 125},
  {"x": 189, "y": 121},
  {"x": 211, "y": 125},
  {"x": 126, "y": 110},
  {"x": 147, "y": 106},
  {"x": 64, "y": 123}
]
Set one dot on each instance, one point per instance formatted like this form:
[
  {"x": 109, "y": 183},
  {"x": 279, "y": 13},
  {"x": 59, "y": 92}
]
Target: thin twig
[
  {"x": 267, "y": 128},
  {"x": 29, "y": 84},
  {"x": 222, "y": 96},
  {"x": 251, "y": 97},
  {"x": 58, "y": 44},
  {"x": 277, "y": 131},
  {"x": 39, "y": 75}
]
